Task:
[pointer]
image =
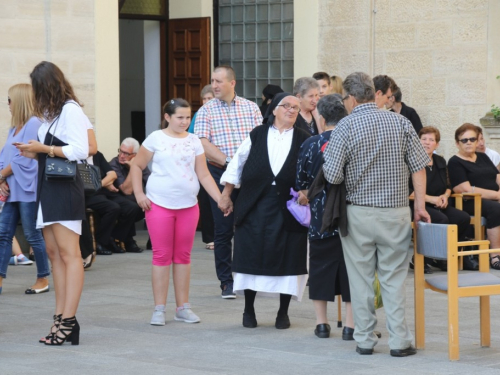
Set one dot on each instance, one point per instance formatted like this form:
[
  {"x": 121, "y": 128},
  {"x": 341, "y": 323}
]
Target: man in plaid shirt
[
  {"x": 374, "y": 152},
  {"x": 222, "y": 124}
]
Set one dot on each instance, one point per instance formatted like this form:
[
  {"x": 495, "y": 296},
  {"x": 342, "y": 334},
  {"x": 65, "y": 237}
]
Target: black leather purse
[
  {"x": 91, "y": 177},
  {"x": 59, "y": 169}
]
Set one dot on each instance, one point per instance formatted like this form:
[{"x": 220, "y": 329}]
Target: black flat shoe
[
  {"x": 403, "y": 352},
  {"x": 347, "y": 334},
  {"x": 364, "y": 351},
  {"x": 102, "y": 251},
  {"x": 132, "y": 247},
  {"x": 322, "y": 331},
  {"x": 116, "y": 247},
  {"x": 249, "y": 320},
  {"x": 282, "y": 322}
]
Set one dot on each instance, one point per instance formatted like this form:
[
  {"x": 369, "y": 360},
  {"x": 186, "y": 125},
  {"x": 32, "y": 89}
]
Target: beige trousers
[{"x": 378, "y": 240}]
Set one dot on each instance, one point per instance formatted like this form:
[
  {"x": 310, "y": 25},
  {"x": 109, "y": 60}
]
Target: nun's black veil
[{"x": 269, "y": 117}]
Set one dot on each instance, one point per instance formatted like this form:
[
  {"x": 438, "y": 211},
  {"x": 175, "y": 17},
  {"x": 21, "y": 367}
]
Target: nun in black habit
[{"x": 270, "y": 246}]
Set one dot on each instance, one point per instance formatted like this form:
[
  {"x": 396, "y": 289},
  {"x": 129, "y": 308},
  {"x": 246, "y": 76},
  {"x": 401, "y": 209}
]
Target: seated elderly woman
[
  {"x": 307, "y": 90},
  {"x": 474, "y": 172},
  {"x": 438, "y": 191},
  {"x": 327, "y": 269},
  {"x": 270, "y": 246}
]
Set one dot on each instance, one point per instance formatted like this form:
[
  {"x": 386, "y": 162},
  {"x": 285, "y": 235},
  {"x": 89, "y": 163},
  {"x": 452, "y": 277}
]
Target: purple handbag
[{"x": 301, "y": 213}]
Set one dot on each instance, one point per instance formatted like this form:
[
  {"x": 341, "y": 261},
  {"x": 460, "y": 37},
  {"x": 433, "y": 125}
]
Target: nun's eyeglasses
[{"x": 289, "y": 107}]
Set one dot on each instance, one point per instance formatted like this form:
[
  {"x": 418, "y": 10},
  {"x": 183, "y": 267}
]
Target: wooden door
[{"x": 189, "y": 58}]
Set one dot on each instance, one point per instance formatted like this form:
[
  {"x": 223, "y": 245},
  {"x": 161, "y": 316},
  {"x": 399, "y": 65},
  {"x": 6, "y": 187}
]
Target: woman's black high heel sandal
[
  {"x": 53, "y": 329},
  {"x": 69, "y": 330}
]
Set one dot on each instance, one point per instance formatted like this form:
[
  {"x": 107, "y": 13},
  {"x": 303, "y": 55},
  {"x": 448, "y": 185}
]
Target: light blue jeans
[{"x": 8, "y": 223}]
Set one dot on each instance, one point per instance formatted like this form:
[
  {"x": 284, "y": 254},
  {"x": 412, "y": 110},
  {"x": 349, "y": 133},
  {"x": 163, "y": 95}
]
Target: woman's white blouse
[{"x": 278, "y": 146}]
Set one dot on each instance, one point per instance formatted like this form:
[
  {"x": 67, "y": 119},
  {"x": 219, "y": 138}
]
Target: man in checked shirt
[
  {"x": 222, "y": 124},
  {"x": 375, "y": 152}
]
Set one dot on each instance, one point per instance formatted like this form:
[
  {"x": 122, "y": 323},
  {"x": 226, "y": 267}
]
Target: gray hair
[
  {"x": 360, "y": 85},
  {"x": 207, "y": 89},
  {"x": 303, "y": 85},
  {"x": 131, "y": 142},
  {"x": 332, "y": 109}
]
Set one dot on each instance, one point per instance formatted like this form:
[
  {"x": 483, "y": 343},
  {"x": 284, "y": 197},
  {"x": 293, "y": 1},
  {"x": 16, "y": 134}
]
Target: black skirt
[
  {"x": 263, "y": 247},
  {"x": 327, "y": 270}
]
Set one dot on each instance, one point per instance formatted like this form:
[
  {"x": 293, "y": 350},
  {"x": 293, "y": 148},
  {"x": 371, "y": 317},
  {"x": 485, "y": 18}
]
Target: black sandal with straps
[
  {"x": 69, "y": 330},
  {"x": 53, "y": 329},
  {"x": 495, "y": 264}
]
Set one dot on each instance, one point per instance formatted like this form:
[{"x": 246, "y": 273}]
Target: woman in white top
[
  {"x": 61, "y": 203},
  {"x": 178, "y": 162}
]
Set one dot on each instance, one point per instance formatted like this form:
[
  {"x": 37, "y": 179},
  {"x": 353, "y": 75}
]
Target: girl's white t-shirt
[{"x": 173, "y": 182}]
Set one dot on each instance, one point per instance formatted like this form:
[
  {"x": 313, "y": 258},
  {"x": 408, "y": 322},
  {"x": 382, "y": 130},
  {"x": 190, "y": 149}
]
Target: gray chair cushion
[
  {"x": 432, "y": 240},
  {"x": 466, "y": 279}
]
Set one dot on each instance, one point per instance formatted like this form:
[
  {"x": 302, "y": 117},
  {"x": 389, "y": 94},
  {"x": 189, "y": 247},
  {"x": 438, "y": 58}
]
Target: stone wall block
[
  {"x": 472, "y": 113},
  {"x": 75, "y": 37},
  {"x": 458, "y": 61},
  {"x": 26, "y": 61},
  {"x": 389, "y": 37},
  {"x": 410, "y": 11},
  {"x": 345, "y": 39},
  {"x": 466, "y": 8},
  {"x": 446, "y": 119},
  {"x": 428, "y": 93},
  {"x": 467, "y": 30},
  {"x": 405, "y": 87},
  {"x": 434, "y": 34},
  {"x": 354, "y": 62},
  {"x": 466, "y": 91},
  {"x": 22, "y": 35},
  {"x": 329, "y": 63},
  {"x": 81, "y": 8},
  {"x": 379, "y": 66},
  {"x": 30, "y": 9},
  {"x": 7, "y": 64},
  {"x": 344, "y": 13},
  {"x": 409, "y": 63}
]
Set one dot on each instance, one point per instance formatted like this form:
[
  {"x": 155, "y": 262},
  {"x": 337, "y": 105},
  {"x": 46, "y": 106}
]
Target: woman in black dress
[
  {"x": 327, "y": 270},
  {"x": 438, "y": 191},
  {"x": 307, "y": 90},
  {"x": 61, "y": 204},
  {"x": 474, "y": 172}
]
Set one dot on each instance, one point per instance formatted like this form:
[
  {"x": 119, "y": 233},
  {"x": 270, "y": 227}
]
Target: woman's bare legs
[
  {"x": 160, "y": 277},
  {"x": 181, "y": 276}
]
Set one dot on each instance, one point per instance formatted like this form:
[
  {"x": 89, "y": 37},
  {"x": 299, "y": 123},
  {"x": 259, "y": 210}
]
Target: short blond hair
[{"x": 22, "y": 104}]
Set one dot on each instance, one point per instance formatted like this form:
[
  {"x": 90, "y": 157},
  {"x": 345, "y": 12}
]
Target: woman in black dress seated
[
  {"x": 327, "y": 270},
  {"x": 438, "y": 191},
  {"x": 474, "y": 172}
]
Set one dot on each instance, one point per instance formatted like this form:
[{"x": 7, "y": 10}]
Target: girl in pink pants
[{"x": 178, "y": 168}]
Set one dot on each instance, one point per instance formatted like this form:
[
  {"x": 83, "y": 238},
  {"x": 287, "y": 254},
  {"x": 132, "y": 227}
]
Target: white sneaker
[
  {"x": 185, "y": 314},
  {"x": 158, "y": 318}
]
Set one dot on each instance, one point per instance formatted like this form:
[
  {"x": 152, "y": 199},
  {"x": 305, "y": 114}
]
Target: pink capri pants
[{"x": 172, "y": 233}]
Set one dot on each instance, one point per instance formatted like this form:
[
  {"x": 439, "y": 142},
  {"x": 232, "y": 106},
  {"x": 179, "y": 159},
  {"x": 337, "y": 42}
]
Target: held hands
[
  {"x": 225, "y": 204},
  {"x": 443, "y": 200},
  {"x": 112, "y": 188},
  {"x": 143, "y": 201}
]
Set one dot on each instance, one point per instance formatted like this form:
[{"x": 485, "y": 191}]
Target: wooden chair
[
  {"x": 440, "y": 241},
  {"x": 90, "y": 213},
  {"x": 476, "y": 220}
]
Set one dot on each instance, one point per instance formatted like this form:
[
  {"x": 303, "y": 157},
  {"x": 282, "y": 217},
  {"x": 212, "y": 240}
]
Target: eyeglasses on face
[
  {"x": 346, "y": 97},
  {"x": 465, "y": 140},
  {"x": 289, "y": 107},
  {"x": 8, "y": 101},
  {"x": 120, "y": 151}
]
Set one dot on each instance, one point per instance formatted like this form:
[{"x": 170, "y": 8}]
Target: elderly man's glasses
[
  {"x": 290, "y": 107},
  {"x": 465, "y": 140},
  {"x": 120, "y": 151},
  {"x": 346, "y": 97}
]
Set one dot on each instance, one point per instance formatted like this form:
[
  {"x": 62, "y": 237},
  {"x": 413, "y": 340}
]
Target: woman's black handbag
[
  {"x": 59, "y": 169},
  {"x": 91, "y": 177}
]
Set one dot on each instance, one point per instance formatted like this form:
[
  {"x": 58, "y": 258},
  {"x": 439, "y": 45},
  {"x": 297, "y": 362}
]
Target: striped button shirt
[
  {"x": 227, "y": 126},
  {"x": 375, "y": 152}
]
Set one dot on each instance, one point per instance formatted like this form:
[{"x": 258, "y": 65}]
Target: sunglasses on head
[{"x": 465, "y": 140}]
